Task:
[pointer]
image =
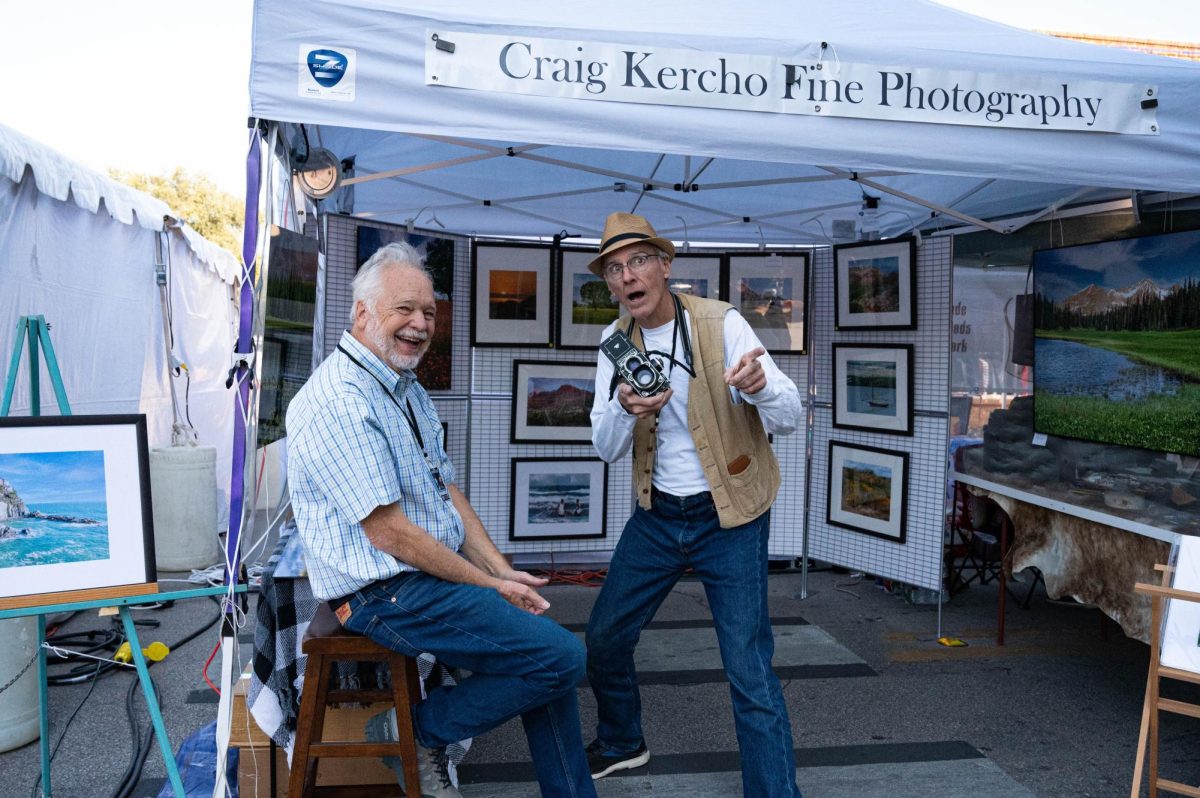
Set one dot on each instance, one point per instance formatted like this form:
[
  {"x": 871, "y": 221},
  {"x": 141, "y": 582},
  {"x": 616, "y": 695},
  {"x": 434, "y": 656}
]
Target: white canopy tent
[
  {"x": 80, "y": 249},
  {"x": 494, "y": 161}
]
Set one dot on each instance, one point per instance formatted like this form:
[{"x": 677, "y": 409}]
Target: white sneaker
[{"x": 432, "y": 763}]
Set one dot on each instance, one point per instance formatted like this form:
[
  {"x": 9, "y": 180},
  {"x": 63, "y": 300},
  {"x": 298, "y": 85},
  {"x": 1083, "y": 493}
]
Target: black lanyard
[{"x": 411, "y": 417}]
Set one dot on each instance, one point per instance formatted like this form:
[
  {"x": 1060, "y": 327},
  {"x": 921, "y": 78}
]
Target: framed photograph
[
  {"x": 586, "y": 306},
  {"x": 875, "y": 285},
  {"x": 698, "y": 275},
  {"x": 552, "y": 401},
  {"x": 868, "y": 489},
  {"x": 511, "y": 296},
  {"x": 436, "y": 371},
  {"x": 873, "y": 388},
  {"x": 770, "y": 291},
  {"x": 75, "y": 516},
  {"x": 558, "y": 498}
]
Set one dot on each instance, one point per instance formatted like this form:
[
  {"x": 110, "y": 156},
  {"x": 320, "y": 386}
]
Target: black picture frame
[
  {"x": 873, "y": 387},
  {"x": 558, "y": 498},
  {"x": 97, "y": 540},
  {"x": 512, "y": 294},
  {"x": 436, "y": 370},
  {"x": 552, "y": 401},
  {"x": 867, "y": 490},
  {"x": 699, "y": 274},
  {"x": 585, "y": 305},
  {"x": 770, "y": 289},
  {"x": 875, "y": 285}
]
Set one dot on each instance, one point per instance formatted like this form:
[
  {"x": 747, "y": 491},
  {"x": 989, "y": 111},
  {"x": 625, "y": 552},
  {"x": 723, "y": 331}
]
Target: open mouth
[{"x": 634, "y": 296}]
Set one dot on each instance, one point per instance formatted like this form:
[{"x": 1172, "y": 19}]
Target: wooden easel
[
  {"x": 37, "y": 331},
  {"x": 1148, "y": 735}
]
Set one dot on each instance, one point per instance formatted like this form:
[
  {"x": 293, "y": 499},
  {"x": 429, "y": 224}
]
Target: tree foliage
[{"x": 213, "y": 213}]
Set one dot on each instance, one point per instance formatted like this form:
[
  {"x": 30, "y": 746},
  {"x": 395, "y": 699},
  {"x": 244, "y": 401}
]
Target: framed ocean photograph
[
  {"x": 586, "y": 306},
  {"x": 511, "y": 295},
  {"x": 558, "y": 498},
  {"x": 875, "y": 285},
  {"x": 698, "y": 275},
  {"x": 75, "y": 516},
  {"x": 873, "y": 387},
  {"x": 868, "y": 490},
  {"x": 552, "y": 401},
  {"x": 770, "y": 291},
  {"x": 1117, "y": 342},
  {"x": 436, "y": 370}
]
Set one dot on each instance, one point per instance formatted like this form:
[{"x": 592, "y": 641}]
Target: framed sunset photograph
[{"x": 511, "y": 295}]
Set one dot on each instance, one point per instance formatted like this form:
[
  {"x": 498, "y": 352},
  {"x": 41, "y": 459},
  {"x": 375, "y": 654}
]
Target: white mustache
[{"x": 418, "y": 335}]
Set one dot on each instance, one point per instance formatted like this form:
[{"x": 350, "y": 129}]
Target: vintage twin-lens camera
[{"x": 632, "y": 366}]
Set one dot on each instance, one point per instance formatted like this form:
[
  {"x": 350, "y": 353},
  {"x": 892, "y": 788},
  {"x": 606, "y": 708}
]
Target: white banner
[{"x": 586, "y": 70}]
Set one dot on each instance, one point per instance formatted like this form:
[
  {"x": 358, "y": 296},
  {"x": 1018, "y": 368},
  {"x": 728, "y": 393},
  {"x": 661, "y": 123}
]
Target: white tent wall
[{"x": 92, "y": 276}]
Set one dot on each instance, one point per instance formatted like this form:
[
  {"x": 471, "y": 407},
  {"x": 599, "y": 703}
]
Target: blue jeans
[
  {"x": 655, "y": 548},
  {"x": 520, "y": 664}
]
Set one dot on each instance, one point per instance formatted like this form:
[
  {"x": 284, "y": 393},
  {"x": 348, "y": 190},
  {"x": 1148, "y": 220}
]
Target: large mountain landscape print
[{"x": 1117, "y": 338}]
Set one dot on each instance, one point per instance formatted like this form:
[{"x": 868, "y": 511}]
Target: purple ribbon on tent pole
[{"x": 244, "y": 343}]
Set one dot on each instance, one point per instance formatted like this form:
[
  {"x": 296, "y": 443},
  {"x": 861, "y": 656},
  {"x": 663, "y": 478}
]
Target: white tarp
[
  {"x": 92, "y": 276},
  {"x": 501, "y": 163}
]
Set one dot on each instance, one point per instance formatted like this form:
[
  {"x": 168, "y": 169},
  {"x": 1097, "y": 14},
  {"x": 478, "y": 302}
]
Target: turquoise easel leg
[
  {"x": 35, "y": 374},
  {"x": 152, "y": 703},
  {"x": 44, "y": 705},
  {"x": 56, "y": 381},
  {"x": 13, "y": 364}
]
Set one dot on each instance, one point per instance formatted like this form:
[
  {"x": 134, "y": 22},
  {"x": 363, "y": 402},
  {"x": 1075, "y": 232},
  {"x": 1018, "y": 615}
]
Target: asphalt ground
[{"x": 878, "y": 707}]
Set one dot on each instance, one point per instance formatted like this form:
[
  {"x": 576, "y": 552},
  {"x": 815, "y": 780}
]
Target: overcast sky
[{"x": 150, "y": 85}]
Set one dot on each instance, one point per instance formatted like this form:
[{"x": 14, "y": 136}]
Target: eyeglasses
[{"x": 636, "y": 264}]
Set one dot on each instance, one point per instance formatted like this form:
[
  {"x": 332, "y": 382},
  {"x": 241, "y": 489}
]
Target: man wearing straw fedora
[{"x": 705, "y": 479}]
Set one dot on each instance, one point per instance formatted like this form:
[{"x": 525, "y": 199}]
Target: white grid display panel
[
  {"x": 787, "y": 514},
  {"x": 918, "y": 560},
  {"x": 491, "y": 467}
]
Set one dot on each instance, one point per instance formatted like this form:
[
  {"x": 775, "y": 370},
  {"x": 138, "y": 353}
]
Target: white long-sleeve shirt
[{"x": 677, "y": 467}]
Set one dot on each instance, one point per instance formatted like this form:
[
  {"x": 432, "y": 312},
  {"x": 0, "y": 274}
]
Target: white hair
[{"x": 365, "y": 285}]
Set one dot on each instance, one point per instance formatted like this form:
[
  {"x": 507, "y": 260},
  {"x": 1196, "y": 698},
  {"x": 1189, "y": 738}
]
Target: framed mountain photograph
[
  {"x": 868, "y": 490},
  {"x": 875, "y": 285},
  {"x": 552, "y": 401}
]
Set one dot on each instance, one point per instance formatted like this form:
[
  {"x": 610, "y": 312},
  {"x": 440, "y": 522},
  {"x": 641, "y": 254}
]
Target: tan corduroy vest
[{"x": 741, "y": 469}]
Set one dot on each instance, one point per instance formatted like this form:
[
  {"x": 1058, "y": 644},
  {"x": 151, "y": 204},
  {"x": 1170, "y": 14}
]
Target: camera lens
[
  {"x": 643, "y": 375},
  {"x": 633, "y": 363}
]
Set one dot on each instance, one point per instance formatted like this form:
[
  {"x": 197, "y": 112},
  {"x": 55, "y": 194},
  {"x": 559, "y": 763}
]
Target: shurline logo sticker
[{"x": 327, "y": 73}]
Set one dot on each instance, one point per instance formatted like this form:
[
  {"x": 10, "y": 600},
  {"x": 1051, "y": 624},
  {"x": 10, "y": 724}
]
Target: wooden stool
[{"x": 327, "y": 643}]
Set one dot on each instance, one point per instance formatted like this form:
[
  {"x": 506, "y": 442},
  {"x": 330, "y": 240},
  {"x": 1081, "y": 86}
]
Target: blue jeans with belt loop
[
  {"x": 656, "y": 547},
  {"x": 520, "y": 663}
]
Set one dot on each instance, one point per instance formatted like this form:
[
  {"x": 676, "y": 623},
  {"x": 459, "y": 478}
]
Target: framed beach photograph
[
  {"x": 75, "y": 515},
  {"x": 586, "y": 305},
  {"x": 875, "y": 285},
  {"x": 770, "y": 291},
  {"x": 873, "y": 387},
  {"x": 511, "y": 295},
  {"x": 435, "y": 372},
  {"x": 868, "y": 490},
  {"x": 552, "y": 401},
  {"x": 698, "y": 275},
  {"x": 558, "y": 498}
]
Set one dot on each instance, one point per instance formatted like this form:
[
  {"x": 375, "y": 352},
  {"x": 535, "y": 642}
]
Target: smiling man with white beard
[{"x": 397, "y": 551}]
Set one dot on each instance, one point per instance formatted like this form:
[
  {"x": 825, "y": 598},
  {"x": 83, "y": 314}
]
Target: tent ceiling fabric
[{"x": 422, "y": 150}]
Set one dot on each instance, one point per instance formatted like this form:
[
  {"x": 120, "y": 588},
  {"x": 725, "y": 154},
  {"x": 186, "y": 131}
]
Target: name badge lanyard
[{"x": 411, "y": 417}]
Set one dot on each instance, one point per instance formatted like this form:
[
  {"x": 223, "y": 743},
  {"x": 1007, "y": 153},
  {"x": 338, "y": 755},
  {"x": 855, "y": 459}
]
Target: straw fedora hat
[{"x": 623, "y": 229}]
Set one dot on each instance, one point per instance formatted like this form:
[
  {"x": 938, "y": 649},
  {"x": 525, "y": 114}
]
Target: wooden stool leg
[
  {"x": 310, "y": 726},
  {"x": 405, "y": 683}
]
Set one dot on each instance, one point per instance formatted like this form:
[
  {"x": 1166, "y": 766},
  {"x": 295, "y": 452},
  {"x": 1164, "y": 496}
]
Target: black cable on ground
[{"x": 37, "y": 782}]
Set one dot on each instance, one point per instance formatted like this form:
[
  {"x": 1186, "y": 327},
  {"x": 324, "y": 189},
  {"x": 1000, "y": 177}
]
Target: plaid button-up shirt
[{"x": 350, "y": 450}]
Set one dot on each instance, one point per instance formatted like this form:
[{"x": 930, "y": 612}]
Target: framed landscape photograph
[
  {"x": 868, "y": 490},
  {"x": 511, "y": 295},
  {"x": 436, "y": 369},
  {"x": 1116, "y": 332},
  {"x": 552, "y": 401},
  {"x": 558, "y": 498},
  {"x": 875, "y": 285},
  {"x": 586, "y": 306},
  {"x": 698, "y": 275},
  {"x": 770, "y": 291},
  {"x": 873, "y": 387},
  {"x": 75, "y": 516}
]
